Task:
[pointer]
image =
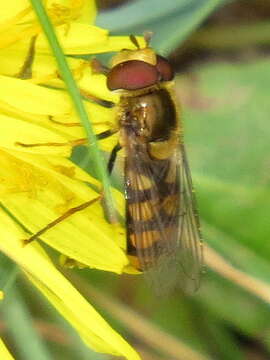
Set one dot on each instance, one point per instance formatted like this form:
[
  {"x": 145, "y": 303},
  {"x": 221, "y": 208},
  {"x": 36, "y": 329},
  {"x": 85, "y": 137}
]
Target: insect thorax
[{"x": 150, "y": 116}]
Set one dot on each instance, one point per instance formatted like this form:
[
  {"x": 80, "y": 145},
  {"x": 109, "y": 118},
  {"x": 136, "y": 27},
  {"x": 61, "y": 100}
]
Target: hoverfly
[{"x": 163, "y": 230}]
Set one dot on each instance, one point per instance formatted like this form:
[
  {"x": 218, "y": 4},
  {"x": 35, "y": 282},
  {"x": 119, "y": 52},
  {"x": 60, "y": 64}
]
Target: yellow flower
[
  {"x": 5, "y": 354},
  {"x": 39, "y": 183},
  {"x": 67, "y": 300}
]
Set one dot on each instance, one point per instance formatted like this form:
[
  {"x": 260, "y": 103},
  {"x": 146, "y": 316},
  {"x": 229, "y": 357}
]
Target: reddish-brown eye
[
  {"x": 164, "y": 68},
  {"x": 132, "y": 75}
]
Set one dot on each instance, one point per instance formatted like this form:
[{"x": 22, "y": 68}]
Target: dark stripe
[
  {"x": 105, "y": 134},
  {"x": 154, "y": 250},
  {"x": 137, "y": 227},
  {"x": 112, "y": 158},
  {"x": 131, "y": 249},
  {"x": 145, "y": 165},
  {"x": 165, "y": 189}
]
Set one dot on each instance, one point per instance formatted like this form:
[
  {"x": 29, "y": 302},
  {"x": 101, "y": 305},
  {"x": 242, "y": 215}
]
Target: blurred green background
[{"x": 221, "y": 52}]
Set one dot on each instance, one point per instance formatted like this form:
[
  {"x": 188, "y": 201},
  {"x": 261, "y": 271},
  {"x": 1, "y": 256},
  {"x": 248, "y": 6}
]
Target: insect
[{"x": 163, "y": 230}]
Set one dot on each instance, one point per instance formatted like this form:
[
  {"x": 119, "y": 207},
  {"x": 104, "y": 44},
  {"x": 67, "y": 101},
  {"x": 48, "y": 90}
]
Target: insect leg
[
  {"x": 87, "y": 96},
  {"x": 72, "y": 143},
  {"x": 113, "y": 157},
  {"x": 106, "y": 134},
  {"x": 83, "y": 206},
  {"x": 97, "y": 68},
  {"x": 64, "y": 216}
]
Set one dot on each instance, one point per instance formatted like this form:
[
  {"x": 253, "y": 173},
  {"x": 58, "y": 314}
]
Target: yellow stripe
[
  {"x": 141, "y": 211},
  {"x": 139, "y": 182},
  {"x": 145, "y": 239},
  {"x": 164, "y": 149}
]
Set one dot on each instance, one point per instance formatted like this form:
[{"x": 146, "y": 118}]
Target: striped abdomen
[{"x": 151, "y": 141}]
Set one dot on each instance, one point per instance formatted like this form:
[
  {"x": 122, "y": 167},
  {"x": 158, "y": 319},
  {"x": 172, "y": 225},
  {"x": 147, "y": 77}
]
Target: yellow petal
[
  {"x": 44, "y": 70},
  {"x": 88, "y": 12},
  {"x": 12, "y": 59},
  {"x": 11, "y": 8},
  {"x": 94, "y": 330},
  {"x": 33, "y": 98},
  {"x": 76, "y": 10},
  {"x": 75, "y": 38},
  {"x": 4, "y": 353},
  {"x": 79, "y": 38},
  {"x": 87, "y": 39},
  {"x": 37, "y": 190},
  {"x": 102, "y": 119},
  {"x": 117, "y": 43},
  {"x": 95, "y": 84},
  {"x": 15, "y": 131}
]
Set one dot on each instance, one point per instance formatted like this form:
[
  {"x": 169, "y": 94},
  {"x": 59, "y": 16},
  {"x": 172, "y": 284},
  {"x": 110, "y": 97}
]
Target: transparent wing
[
  {"x": 162, "y": 224},
  {"x": 190, "y": 253}
]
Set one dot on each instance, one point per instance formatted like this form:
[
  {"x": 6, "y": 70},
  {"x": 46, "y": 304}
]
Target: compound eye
[
  {"x": 164, "y": 68},
  {"x": 132, "y": 75}
]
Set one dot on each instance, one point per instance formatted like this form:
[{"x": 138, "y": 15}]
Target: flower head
[{"x": 39, "y": 129}]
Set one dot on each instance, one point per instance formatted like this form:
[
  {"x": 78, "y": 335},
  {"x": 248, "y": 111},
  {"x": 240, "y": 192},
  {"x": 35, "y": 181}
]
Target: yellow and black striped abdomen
[
  {"x": 163, "y": 231},
  {"x": 152, "y": 210},
  {"x": 151, "y": 140}
]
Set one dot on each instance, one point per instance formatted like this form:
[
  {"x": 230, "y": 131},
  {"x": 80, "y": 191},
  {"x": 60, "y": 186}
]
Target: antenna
[
  {"x": 134, "y": 41},
  {"x": 147, "y": 37}
]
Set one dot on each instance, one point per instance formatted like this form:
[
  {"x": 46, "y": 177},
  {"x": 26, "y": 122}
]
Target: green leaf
[
  {"x": 178, "y": 19},
  {"x": 226, "y": 118},
  {"x": 227, "y": 124},
  {"x": 17, "y": 316},
  {"x": 219, "y": 338},
  {"x": 8, "y": 273}
]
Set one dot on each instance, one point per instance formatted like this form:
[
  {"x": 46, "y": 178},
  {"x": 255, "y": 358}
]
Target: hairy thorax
[{"x": 149, "y": 119}]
